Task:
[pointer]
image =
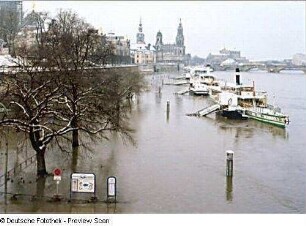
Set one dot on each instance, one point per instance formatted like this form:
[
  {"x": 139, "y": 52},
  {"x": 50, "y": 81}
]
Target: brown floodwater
[{"x": 178, "y": 162}]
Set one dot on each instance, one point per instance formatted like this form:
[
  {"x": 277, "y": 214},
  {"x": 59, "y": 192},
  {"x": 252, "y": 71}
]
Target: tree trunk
[
  {"x": 75, "y": 135},
  {"x": 74, "y": 161},
  {"x": 75, "y": 139},
  {"x": 40, "y": 154},
  {"x": 41, "y": 164},
  {"x": 40, "y": 187},
  {"x": 74, "y": 122},
  {"x": 118, "y": 113}
]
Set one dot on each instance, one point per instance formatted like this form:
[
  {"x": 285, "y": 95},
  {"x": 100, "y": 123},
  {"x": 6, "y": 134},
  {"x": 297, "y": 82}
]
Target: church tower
[
  {"x": 159, "y": 40},
  {"x": 180, "y": 35},
  {"x": 140, "y": 34}
]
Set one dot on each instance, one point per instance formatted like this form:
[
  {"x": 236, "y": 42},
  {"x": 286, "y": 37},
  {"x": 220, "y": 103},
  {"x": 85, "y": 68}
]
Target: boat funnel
[{"x": 237, "y": 76}]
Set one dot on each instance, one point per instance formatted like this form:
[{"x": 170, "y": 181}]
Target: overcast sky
[{"x": 261, "y": 30}]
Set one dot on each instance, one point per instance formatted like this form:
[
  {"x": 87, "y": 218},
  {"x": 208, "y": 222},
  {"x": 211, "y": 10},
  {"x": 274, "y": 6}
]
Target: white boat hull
[{"x": 199, "y": 91}]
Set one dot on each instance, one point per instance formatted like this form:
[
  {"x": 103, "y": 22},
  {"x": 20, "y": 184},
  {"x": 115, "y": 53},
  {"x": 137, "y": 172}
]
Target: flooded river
[{"x": 178, "y": 162}]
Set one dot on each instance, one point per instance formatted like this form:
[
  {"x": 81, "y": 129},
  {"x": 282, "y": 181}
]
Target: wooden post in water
[
  {"x": 229, "y": 163},
  {"x": 168, "y": 106},
  {"x": 229, "y": 188},
  {"x": 159, "y": 89},
  {"x": 168, "y": 110}
]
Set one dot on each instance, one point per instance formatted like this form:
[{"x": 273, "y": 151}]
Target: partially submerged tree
[
  {"x": 60, "y": 92},
  {"x": 32, "y": 98},
  {"x": 88, "y": 90}
]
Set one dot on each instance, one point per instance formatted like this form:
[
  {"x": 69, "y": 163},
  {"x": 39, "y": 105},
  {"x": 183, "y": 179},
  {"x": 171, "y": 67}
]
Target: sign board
[
  {"x": 111, "y": 186},
  {"x": 83, "y": 182},
  {"x": 57, "y": 172},
  {"x": 57, "y": 178}
]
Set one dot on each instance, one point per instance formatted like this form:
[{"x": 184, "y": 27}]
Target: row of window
[{"x": 147, "y": 56}]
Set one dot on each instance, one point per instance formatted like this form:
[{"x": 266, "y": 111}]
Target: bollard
[
  {"x": 229, "y": 163},
  {"x": 168, "y": 110}
]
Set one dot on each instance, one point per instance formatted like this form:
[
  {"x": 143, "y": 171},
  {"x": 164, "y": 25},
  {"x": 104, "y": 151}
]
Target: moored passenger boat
[
  {"x": 243, "y": 101},
  {"x": 269, "y": 115},
  {"x": 198, "y": 88}
]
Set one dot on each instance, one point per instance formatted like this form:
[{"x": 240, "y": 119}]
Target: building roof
[
  {"x": 141, "y": 46},
  {"x": 6, "y": 61},
  {"x": 229, "y": 61}
]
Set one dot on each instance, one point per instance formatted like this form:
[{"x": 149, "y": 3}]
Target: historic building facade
[
  {"x": 225, "y": 56},
  {"x": 171, "y": 53},
  {"x": 142, "y": 53},
  {"x": 121, "y": 48},
  {"x": 10, "y": 21}
]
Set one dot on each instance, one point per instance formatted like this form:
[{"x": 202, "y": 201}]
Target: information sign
[
  {"x": 83, "y": 182},
  {"x": 111, "y": 185}
]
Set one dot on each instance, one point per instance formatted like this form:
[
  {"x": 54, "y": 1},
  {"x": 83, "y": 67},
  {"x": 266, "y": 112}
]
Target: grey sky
[{"x": 261, "y": 30}]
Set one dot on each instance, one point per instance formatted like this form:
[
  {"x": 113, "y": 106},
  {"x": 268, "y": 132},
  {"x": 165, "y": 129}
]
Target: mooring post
[
  {"x": 159, "y": 89},
  {"x": 229, "y": 163},
  {"x": 168, "y": 106}
]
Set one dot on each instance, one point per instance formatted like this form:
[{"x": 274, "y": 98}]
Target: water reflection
[
  {"x": 229, "y": 189},
  {"x": 38, "y": 199},
  {"x": 40, "y": 187},
  {"x": 111, "y": 208},
  {"x": 158, "y": 97},
  {"x": 168, "y": 116},
  {"x": 247, "y": 128},
  {"x": 180, "y": 162}
]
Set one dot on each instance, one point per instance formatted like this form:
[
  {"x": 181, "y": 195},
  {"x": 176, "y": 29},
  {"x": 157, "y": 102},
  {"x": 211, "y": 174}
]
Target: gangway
[
  {"x": 172, "y": 81},
  {"x": 182, "y": 92},
  {"x": 180, "y": 83},
  {"x": 180, "y": 78},
  {"x": 206, "y": 111}
]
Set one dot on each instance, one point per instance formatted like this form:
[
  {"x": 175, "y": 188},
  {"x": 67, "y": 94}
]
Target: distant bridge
[
  {"x": 279, "y": 68},
  {"x": 272, "y": 68}
]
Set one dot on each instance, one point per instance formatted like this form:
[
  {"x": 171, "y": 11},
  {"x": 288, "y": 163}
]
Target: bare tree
[
  {"x": 32, "y": 98},
  {"x": 88, "y": 91},
  {"x": 9, "y": 26}
]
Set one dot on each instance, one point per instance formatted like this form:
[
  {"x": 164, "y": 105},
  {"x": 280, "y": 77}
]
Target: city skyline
[{"x": 260, "y": 30}]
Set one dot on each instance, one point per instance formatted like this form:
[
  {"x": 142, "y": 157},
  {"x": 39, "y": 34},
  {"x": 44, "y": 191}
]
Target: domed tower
[
  {"x": 180, "y": 35},
  {"x": 159, "y": 40},
  {"x": 140, "y": 34}
]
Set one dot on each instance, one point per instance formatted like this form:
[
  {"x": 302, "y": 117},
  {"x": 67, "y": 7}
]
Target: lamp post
[
  {"x": 5, "y": 110},
  {"x": 6, "y": 167}
]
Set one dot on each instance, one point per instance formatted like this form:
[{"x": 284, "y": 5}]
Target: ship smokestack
[{"x": 237, "y": 77}]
